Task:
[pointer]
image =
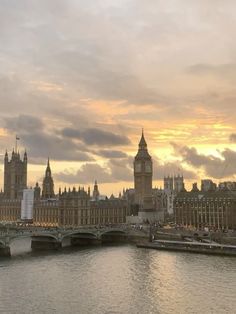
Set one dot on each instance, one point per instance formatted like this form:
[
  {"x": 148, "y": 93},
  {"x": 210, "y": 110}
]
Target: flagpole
[{"x": 17, "y": 138}]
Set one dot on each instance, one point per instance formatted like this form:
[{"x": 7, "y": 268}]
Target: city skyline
[
  {"x": 79, "y": 81},
  {"x": 47, "y": 168}
]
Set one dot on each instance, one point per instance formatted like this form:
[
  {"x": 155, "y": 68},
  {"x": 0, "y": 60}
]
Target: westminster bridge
[{"x": 47, "y": 239}]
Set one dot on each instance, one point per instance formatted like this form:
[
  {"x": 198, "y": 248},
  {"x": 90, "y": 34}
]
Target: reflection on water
[{"x": 115, "y": 279}]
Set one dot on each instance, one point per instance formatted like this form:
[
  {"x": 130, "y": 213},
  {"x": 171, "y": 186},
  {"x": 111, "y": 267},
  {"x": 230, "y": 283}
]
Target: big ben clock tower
[{"x": 142, "y": 173}]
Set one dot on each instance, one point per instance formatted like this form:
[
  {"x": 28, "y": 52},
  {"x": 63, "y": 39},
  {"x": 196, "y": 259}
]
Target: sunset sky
[{"x": 80, "y": 79}]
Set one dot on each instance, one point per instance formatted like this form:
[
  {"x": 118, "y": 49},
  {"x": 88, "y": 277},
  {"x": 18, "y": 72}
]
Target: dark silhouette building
[
  {"x": 37, "y": 191},
  {"x": 142, "y": 173},
  {"x": 48, "y": 184},
  {"x": 15, "y": 175},
  {"x": 211, "y": 209},
  {"x": 96, "y": 191}
]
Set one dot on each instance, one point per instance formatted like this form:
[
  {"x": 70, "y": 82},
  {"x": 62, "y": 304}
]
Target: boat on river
[{"x": 192, "y": 247}]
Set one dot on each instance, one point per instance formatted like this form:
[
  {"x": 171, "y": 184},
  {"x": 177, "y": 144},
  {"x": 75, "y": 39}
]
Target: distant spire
[
  {"x": 48, "y": 169},
  {"x": 25, "y": 156},
  {"x": 95, "y": 191}
]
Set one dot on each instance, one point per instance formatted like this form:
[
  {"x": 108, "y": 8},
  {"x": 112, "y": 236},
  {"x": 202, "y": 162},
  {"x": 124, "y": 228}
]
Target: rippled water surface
[{"x": 116, "y": 279}]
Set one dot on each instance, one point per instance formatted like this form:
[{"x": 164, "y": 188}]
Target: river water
[{"x": 115, "y": 279}]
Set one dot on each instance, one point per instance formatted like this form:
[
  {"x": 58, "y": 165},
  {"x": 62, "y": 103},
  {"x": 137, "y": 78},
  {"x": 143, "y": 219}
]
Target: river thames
[{"x": 115, "y": 279}]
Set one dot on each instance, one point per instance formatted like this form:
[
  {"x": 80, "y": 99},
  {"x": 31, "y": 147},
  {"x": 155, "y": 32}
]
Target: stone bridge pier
[
  {"x": 5, "y": 250},
  {"x": 46, "y": 242}
]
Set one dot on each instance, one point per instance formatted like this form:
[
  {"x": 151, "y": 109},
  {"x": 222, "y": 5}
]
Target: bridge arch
[
  {"x": 44, "y": 236},
  {"x": 113, "y": 236},
  {"x": 113, "y": 232},
  {"x": 80, "y": 234}
]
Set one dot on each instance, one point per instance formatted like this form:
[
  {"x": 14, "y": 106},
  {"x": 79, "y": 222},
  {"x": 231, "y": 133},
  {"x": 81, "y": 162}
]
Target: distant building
[
  {"x": 211, "y": 208},
  {"x": 15, "y": 175},
  {"x": 109, "y": 211},
  {"x": 46, "y": 212},
  {"x": 48, "y": 184},
  {"x": 227, "y": 186},
  {"x": 37, "y": 191},
  {"x": 74, "y": 207},
  {"x": 172, "y": 186},
  {"x": 179, "y": 183},
  {"x": 160, "y": 203},
  {"x": 208, "y": 185},
  {"x": 169, "y": 184},
  {"x": 96, "y": 193},
  {"x": 195, "y": 188}
]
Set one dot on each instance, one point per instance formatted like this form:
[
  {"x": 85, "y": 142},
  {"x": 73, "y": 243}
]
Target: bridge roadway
[{"x": 52, "y": 239}]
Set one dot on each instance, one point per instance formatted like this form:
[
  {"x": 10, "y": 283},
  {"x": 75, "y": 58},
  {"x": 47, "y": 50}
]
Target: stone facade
[
  {"x": 212, "y": 209},
  {"x": 172, "y": 186},
  {"x": 15, "y": 176},
  {"x": 46, "y": 212},
  {"x": 74, "y": 209},
  {"x": 48, "y": 184},
  {"x": 142, "y": 174},
  {"x": 109, "y": 211},
  {"x": 10, "y": 210},
  {"x": 71, "y": 209}
]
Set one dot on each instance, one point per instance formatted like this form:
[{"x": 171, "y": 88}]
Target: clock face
[
  {"x": 137, "y": 167},
  {"x": 148, "y": 167}
]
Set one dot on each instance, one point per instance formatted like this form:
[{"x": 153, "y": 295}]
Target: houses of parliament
[
  {"x": 74, "y": 207},
  {"x": 211, "y": 205}
]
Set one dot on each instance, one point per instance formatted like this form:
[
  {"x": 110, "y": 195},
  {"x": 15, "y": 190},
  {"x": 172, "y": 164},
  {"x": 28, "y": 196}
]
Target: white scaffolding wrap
[{"x": 27, "y": 204}]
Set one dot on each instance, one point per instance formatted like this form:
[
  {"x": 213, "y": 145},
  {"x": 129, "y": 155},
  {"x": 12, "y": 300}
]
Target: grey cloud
[
  {"x": 97, "y": 137},
  {"x": 40, "y": 143},
  {"x": 160, "y": 170},
  {"x": 214, "y": 166},
  {"x": 122, "y": 169},
  {"x": 23, "y": 123},
  {"x": 83, "y": 59},
  {"x": 43, "y": 145},
  {"x": 100, "y": 137},
  {"x": 86, "y": 175},
  {"x": 111, "y": 154},
  {"x": 223, "y": 70},
  {"x": 71, "y": 133},
  {"x": 113, "y": 171},
  {"x": 191, "y": 155},
  {"x": 21, "y": 95},
  {"x": 117, "y": 170},
  {"x": 232, "y": 137}
]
